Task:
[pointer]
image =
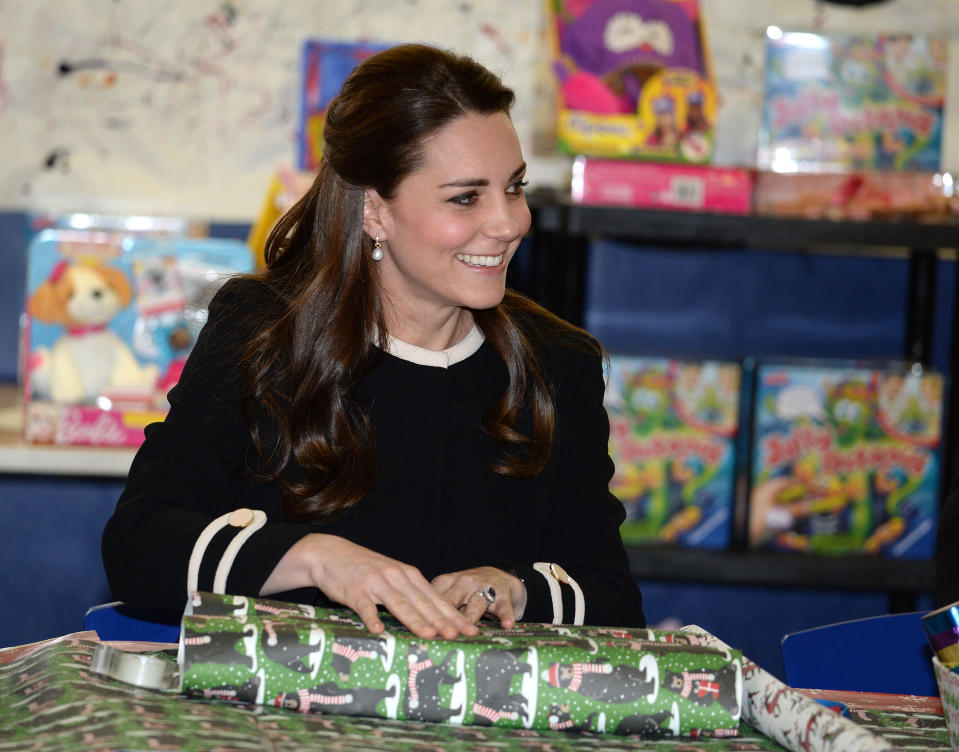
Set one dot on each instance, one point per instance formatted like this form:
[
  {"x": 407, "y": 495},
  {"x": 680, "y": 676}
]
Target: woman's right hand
[{"x": 362, "y": 580}]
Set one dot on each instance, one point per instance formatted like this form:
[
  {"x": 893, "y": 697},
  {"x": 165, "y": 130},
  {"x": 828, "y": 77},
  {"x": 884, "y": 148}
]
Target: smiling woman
[
  {"x": 375, "y": 420},
  {"x": 450, "y": 230}
]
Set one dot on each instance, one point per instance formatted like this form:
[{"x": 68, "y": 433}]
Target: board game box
[
  {"x": 673, "y": 429},
  {"x": 849, "y": 102},
  {"x": 845, "y": 460}
]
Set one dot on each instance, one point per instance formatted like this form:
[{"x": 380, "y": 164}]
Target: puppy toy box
[
  {"x": 110, "y": 320},
  {"x": 633, "y": 80}
]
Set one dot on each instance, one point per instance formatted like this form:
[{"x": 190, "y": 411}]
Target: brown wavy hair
[{"x": 305, "y": 365}]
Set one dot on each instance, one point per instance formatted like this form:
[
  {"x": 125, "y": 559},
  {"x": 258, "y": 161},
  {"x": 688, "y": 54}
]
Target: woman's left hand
[{"x": 465, "y": 591}]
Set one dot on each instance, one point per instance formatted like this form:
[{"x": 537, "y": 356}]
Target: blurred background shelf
[
  {"x": 906, "y": 577},
  {"x": 563, "y": 233},
  {"x": 20, "y": 457}
]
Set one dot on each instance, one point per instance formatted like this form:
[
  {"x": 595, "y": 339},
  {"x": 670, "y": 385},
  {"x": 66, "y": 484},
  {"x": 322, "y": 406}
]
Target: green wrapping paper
[{"x": 539, "y": 676}]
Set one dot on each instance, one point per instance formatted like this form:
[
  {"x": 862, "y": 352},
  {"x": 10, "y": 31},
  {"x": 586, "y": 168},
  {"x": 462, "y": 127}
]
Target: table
[{"x": 49, "y": 699}]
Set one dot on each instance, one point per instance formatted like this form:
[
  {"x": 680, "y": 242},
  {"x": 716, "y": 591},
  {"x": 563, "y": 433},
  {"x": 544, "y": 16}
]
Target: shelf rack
[{"x": 561, "y": 233}]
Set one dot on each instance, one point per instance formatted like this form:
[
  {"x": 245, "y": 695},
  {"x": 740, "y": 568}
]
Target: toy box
[
  {"x": 633, "y": 80},
  {"x": 860, "y": 196},
  {"x": 845, "y": 460},
  {"x": 654, "y": 185},
  {"x": 287, "y": 186},
  {"x": 852, "y": 102},
  {"x": 326, "y": 64},
  {"x": 137, "y": 224},
  {"x": 110, "y": 320},
  {"x": 673, "y": 429}
]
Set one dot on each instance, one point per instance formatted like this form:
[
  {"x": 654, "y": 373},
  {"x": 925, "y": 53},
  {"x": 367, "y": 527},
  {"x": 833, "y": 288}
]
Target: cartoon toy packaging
[
  {"x": 845, "y": 460},
  {"x": 673, "y": 432},
  {"x": 633, "y": 80},
  {"x": 110, "y": 320},
  {"x": 536, "y": 676},
  {"x": 848, "y": 102}
]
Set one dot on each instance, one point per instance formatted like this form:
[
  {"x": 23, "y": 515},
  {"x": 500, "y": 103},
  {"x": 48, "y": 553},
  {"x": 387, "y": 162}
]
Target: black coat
[{"x": 435, "y": 504}]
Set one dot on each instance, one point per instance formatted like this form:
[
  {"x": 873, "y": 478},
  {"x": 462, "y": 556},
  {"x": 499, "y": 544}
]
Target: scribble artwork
[{"x": 121, "y": 106}]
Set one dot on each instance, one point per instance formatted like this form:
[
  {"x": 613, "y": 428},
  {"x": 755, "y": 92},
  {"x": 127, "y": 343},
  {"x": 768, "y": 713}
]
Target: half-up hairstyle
[{"x": 304, "y": 365}]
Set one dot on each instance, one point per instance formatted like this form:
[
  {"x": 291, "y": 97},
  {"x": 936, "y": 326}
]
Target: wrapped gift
[{"x": 542, "y": 676}]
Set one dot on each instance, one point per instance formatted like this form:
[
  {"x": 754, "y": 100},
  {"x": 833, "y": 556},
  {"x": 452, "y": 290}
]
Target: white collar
[{"x": 422, "y": 356}]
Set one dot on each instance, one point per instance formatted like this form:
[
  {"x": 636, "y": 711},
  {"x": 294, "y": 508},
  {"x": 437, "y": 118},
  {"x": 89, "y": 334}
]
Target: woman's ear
[{"x": 375, "y": 214}]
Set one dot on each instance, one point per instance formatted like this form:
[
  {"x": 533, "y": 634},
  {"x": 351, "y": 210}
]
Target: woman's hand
[
  {"x": 464, "y": 590},
  {"x": 362, "y": 579}
]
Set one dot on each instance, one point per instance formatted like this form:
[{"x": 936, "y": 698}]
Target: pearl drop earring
[{"x": 377, "y": 251}]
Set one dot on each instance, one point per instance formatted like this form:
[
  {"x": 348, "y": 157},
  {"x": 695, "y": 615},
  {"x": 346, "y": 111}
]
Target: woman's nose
[{"x": 508, "y": 220}]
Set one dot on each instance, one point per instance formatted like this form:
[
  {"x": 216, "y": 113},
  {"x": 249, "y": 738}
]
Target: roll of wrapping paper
[
  {"x": 797, "y": 722},
  {"x": 625, "y": 681},
  {"x": 942, "y": 629}
]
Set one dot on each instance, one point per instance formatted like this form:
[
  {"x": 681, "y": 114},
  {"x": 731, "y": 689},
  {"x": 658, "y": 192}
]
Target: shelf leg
[{"x": 920, "y": 310}]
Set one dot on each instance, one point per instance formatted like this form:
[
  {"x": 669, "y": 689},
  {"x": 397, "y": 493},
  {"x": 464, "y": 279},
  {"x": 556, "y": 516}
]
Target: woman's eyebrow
[{"x": 480, "y": 182}]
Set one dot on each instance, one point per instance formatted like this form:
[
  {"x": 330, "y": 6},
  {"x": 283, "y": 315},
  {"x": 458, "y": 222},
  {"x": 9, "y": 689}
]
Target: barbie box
[
  {"x": 110, "y": 320},
  {"x": 845, "y": 460}
]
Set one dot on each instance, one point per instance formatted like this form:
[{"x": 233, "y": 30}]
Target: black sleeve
[
  {"x": 192, "y": 468},
  {"x": 583, "y": 535}
]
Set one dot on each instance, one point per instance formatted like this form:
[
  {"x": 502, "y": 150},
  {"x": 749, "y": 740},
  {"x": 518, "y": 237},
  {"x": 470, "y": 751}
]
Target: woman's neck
[{"x": 437, "y": 334}]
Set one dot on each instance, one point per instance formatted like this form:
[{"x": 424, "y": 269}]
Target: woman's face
[{"x": 453, "y": 225}]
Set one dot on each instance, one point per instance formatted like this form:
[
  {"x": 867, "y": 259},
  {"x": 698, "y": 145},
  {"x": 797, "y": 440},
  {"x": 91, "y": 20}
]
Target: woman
[{"x": 408, "y": 433}]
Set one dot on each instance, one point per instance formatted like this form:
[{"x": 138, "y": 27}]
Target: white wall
[{"x": 187, "y": 106}]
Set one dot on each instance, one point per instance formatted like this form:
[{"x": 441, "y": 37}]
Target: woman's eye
[
  {"x": 465, "y": 199},
  {"x": 518, "y": 187}
]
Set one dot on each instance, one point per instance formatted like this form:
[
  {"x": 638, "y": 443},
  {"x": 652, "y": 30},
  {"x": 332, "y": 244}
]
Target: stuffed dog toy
[{"x": 89, "y": 360}]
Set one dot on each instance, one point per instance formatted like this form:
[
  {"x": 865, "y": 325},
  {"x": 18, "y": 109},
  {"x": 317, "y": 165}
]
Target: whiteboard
[{"x": 189, "y": 106}]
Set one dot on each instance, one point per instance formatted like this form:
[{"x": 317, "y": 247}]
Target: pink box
[{"x": 726, "y": 190}]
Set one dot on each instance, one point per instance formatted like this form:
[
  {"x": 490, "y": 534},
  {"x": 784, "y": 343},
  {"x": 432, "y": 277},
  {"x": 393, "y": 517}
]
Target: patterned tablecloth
[{"x": 50, "y": 701}]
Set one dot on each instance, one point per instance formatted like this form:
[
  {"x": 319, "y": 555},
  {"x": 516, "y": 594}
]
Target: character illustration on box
[
  {"x": 664, "y": 419},
  {"x": 616, "y": 57},
  {"x": 89, "y": 360},
  {"x": 836, "y": 481},
  {"x": 855, "y": 101}
]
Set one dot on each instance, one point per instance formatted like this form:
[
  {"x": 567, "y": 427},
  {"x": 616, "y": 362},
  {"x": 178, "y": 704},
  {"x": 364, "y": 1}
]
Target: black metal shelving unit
[{"x": 561, "y": 234}]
